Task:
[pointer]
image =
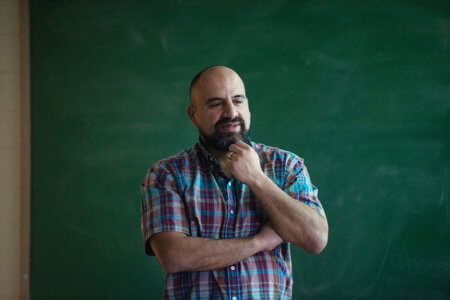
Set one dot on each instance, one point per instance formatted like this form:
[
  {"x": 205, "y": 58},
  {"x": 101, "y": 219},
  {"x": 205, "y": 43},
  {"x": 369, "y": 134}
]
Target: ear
[{"x": 191, "y": 114}]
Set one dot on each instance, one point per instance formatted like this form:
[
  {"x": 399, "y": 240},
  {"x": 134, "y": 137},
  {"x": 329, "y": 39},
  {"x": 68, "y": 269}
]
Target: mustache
[{"x": 228, "y": 120}]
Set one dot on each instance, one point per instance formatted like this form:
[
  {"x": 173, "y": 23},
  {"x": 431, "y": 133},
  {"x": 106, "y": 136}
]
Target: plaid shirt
[{"x": 189, "y": 193}]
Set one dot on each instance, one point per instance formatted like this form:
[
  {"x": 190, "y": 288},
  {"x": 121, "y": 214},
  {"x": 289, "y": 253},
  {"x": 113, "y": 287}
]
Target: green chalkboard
[{"x": 359, "y": 89}]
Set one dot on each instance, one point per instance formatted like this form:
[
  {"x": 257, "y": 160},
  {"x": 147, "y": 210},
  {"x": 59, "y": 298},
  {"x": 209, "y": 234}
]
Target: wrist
[
  {"x": 258, "y": 181},
  {"x": 256, "y": 243}
]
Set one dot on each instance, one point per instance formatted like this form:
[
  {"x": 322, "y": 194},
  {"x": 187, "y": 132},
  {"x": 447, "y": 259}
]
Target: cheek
[{"x": 207, "y": 122}]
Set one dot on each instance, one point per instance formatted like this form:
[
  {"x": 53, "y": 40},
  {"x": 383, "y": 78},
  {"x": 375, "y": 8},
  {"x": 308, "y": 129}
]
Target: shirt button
[
  {"x": 232, "y": 212},
  {"x": 232, "y": 268},
  {"x": 229, "y": 183}
]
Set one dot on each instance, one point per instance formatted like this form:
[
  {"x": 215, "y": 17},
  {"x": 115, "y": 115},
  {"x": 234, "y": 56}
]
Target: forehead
[{"x": 220, "y": 83}]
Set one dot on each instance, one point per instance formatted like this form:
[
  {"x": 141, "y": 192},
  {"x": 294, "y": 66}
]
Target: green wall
[{"x": 360, "y": 89}]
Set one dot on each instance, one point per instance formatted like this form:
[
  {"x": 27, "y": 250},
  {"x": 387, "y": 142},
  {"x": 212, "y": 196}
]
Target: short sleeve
[
  {"x": 162, "y": 208},
  {"x": 298, "y": 185}
]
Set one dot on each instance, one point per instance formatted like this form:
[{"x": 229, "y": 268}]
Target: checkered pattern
[{"x": 189, "y": 193}]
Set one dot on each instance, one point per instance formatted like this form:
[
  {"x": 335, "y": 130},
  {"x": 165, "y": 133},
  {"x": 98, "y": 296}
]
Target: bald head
[{"x": 210, "y": 76}]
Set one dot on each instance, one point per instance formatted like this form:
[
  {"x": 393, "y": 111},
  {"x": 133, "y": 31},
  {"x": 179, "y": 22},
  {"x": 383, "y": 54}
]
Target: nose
[{"x": 230, "y": 110}]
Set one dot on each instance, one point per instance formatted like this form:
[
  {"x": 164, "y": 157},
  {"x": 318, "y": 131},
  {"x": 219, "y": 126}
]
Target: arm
[
  {"x": 293, "y": 220},
  {"x": 177, "y": 252}
]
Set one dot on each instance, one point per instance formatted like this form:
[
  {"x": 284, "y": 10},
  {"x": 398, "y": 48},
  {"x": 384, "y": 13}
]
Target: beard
[{"x": 221, "y": 141}]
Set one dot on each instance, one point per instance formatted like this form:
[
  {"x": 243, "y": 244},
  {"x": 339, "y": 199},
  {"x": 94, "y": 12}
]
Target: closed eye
[
  {"x": 239, "y": 99},
  {"x": 212, "y": 102}
]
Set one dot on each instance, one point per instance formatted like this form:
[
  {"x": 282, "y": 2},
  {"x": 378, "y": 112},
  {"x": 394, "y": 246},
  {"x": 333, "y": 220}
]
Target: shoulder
[
  {"x": 277, "y": 156},
  {"x": 172, "y": 166},
  {"x": 179, "y": 160}
]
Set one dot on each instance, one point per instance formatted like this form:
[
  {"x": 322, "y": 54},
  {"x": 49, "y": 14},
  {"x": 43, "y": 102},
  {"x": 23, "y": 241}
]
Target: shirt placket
[{"x": 229, "y": 192}]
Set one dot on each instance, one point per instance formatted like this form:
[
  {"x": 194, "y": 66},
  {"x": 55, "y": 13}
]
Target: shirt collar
[{"x": 208, "y": 156}]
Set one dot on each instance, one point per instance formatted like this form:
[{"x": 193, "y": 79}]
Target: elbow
[
  {"x": 168, "y": 263},
  {"x": 168, "y": 249},
  {"x": 170, "y": 268},
  {"x": 317, "y": 240},
  {"x": 167, "y": 257},
  {"x": 318, "y": 243}
]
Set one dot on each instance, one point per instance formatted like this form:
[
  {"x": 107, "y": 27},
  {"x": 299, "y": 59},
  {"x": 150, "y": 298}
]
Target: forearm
[
  {"x": 293, "y": 220},
  {"x": 177, "y": 252}
]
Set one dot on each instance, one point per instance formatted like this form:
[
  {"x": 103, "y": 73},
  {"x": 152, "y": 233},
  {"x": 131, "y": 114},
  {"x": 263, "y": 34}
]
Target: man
[{"x": 220, "y": 216}]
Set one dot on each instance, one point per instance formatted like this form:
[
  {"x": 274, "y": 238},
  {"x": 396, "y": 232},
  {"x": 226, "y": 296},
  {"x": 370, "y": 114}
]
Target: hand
[
  {"x": 244, "y": 163},
  {"x": 268, "y": 237}
]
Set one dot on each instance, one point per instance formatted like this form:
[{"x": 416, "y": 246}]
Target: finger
[
  {"x": 242, "y": 144},
  {"x": 239, "y": 147},
  {"x": 227, "y": 162},
  {"x": 235, "y": 149},
  {"x": 229, "y": 154}
]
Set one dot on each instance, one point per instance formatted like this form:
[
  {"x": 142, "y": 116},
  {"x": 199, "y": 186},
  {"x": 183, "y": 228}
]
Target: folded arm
[
  {"x": 293, "y": 220},
  {"x": 177, "y": 252}
]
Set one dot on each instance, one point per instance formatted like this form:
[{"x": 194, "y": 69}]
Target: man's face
[{"x": 219, "y": 108}]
